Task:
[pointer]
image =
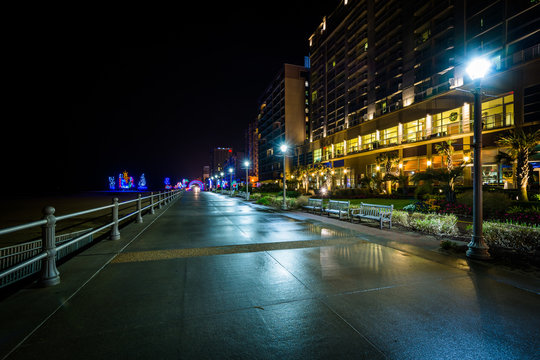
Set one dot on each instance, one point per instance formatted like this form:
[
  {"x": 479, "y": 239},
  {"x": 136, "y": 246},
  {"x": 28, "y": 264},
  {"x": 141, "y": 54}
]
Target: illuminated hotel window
[
  {"x": 368, "y": 140},
  {"x": 389, "y": 136},
  {"x": 352, "y": 145},
  {"x": 493, "y": 115},
  {"x": 446, "y": 123},
  {"x": 414, "y": 130},
  {"x": 317, "y": 155},
  {"x": 327, "y": 152},
  {"x": 339, "y": 149}
]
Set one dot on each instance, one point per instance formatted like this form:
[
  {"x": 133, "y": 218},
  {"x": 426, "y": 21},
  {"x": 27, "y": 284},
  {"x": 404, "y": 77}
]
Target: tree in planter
[
  {"x": 388, "y": 160},
  {"x": 446, "y": 150},
  {"x": 301, "y": 173},
  {"x": 369, "y": 183},
  {"x": 403, "y": 182},
  {"x": 443, "y": 176},
  {"x": 520, "y": 146}
]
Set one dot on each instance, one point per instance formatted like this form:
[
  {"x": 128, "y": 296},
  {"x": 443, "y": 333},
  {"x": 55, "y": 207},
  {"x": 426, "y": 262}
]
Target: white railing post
[
  {"x": 159, "y": 200},
  {"x": 139, "y": 211},
  {"x": 152, "y": 211},
  {"x": 115, "y": 234},
  {"x": 49, "y": 273}
]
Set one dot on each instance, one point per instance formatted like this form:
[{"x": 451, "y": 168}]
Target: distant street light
[
  {"x": 246, "y": 165},
  {"x": 221, "y": 182},
  {"x": 478, "y": 249},
  {"x": 284, "y": 148}
]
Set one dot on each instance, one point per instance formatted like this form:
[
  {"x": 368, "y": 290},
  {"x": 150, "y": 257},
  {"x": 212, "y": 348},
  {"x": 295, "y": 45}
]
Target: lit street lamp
[
  {"x": 284, "y": 148},
  {"x": 246, "y": 164},
  {"x": 221, "y": 173},
  {"x": 478, "y": 249}
]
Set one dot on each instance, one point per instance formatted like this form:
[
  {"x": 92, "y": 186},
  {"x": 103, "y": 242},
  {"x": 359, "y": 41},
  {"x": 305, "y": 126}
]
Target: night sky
[{"x": 95, "y": 90}]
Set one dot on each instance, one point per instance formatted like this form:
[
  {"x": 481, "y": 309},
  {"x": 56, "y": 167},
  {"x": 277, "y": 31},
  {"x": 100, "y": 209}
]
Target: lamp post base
[
  {"x": 478, "y": 249},
  {"x": 284, "y": 207}
]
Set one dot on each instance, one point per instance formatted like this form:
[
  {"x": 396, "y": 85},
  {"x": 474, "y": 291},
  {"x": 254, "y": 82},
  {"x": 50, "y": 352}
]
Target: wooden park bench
[
  {"x": 337, "y": 207},
  {"x": 314, "y": 205},
  {"x": 381, "y": 213}
]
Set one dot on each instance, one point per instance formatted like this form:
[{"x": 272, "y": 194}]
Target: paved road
[{"x": 216, "y": 278}]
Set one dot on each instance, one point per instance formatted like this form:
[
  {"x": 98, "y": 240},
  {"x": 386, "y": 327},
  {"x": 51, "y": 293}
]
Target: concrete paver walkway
[{"x": 217, "y": 278}]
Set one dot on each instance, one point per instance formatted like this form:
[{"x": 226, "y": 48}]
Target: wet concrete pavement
[{"x": 218, "y": 278}]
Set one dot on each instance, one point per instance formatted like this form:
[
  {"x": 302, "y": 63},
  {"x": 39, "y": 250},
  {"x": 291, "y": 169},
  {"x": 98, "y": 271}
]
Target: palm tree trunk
[
  {"x": 523, "y": 179},
  {"x": 389, "y": 187}
]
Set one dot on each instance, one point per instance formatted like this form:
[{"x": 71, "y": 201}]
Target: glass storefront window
[
  {"x": 371, "y": 170},
  {"x": 490, "y": 174}
]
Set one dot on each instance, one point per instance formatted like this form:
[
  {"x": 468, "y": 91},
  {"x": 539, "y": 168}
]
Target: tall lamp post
[
  {"x": 478, "y": 249},
  {"x": 284, "y": 148},
  {"x": 246, "y": 165},
  {"x": 221, "y": 173},
  {"x": 230, "y": 185}
]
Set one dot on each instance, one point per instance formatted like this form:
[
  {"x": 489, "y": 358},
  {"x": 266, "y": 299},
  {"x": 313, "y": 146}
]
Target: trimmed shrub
[
  {"x": 520, "y": 215},
  {"x": 525, "y": 239},
  {"x": 431, "y": 223},
  {"x": 434, "y": 223},
  {"x": 493, "y": 202},
  {"x": 273, "y": 187},
  {"x": 423, "y": 191},
  {"x": 290, "y": 194},
  {"x": 264, "y": 200},
  {"x": 300, "y": 201},
  {"x": 400, "y": 217}
]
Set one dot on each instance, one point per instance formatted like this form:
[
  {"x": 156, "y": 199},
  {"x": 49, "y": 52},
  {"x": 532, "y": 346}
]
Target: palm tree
[
  {"x": 388, "y": 160},
  {"x": 521, "y": 145},
  {"x": 446, "y": 149}
]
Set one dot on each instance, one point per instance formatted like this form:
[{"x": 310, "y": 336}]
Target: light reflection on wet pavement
[{"x": 218, "y": 278}]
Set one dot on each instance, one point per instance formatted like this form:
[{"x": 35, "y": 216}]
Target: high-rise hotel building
[
  {"x": 282, "y": 118},
  {"x": 389, "y": 75}
]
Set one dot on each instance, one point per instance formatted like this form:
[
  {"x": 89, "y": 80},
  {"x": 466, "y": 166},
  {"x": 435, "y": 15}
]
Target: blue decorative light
[
  {"x": 141, "y": 185},
  {"x": 125, "y": 181},
  {"x": 168, "y": 183}
]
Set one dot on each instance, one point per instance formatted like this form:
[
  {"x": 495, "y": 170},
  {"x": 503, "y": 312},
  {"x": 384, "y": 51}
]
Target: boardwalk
[{"x": 217, "y": 278}]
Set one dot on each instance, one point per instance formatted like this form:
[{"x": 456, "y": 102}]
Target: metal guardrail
[
  {"x": 23, "y": 260},
  {"x": 16, "y": 254}
]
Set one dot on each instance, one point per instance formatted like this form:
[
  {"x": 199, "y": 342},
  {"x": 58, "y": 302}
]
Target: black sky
[{"x": 93, "y": 90}]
